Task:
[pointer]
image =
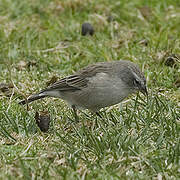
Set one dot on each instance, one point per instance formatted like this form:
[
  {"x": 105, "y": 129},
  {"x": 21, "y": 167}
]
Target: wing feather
[
  {"x": 79, "y": 80},
  {"x": 70, "y": 83}
]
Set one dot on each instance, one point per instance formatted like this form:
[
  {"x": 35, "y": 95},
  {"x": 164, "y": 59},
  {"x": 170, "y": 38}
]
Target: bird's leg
[
  {"x": 98, "y": 114},
  {"x": 75, "y": 113}
]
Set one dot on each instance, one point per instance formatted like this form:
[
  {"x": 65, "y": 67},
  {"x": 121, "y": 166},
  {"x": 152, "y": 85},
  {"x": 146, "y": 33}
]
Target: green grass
[{"x": 137, "y": 139}]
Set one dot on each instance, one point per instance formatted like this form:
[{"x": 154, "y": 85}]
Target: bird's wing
[
  {"x": 70, "y": 83},
  {"x": 79, "y": 80}
]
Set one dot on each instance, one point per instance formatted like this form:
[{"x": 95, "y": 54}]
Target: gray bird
[{"x": 96, "y": 86}]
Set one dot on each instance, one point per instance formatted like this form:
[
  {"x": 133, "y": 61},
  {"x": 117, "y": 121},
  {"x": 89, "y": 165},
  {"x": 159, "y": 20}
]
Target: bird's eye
[{"x": 136, "y": 82}]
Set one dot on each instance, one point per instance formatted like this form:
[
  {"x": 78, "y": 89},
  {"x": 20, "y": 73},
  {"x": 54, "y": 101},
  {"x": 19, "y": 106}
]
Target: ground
[{"x": 41, "y": 41}]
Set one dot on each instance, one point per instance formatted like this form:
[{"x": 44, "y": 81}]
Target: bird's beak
[{"x": 144, "y": 91}]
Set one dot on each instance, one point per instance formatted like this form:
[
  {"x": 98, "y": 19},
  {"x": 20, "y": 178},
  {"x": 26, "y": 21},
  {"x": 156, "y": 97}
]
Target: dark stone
[
  {"x": 87, "y": 29},
  {"x": 43, "y": 120}
]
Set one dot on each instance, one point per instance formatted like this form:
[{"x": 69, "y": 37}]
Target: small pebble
[{"x": 43, "y": 120}]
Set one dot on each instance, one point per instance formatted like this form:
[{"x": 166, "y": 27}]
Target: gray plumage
[{"x": 97, "y": 86}]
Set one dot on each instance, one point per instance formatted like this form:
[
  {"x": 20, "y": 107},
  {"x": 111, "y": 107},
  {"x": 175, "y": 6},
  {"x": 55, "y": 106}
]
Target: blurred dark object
[
  {"x": 110, "y": 18},
  {"x": 171, "y": 60},
  {"x": 43, "y": 120},
  {"x": 87, "y": 29},
  {"x": 52, "y": 80},
  {"x": 6, "y": 89}
]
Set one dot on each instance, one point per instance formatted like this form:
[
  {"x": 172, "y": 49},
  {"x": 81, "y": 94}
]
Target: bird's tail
[{"x": 32, "y": 98}]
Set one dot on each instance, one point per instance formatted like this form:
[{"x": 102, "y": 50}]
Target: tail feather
[{"x": 32, "y": 98}]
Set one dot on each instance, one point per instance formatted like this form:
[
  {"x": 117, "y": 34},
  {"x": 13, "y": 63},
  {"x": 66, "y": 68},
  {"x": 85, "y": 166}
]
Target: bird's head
[{"x": 134, "y": 78}]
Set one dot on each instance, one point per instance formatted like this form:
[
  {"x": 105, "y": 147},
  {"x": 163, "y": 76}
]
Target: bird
[{"x": 96, "y": 86}]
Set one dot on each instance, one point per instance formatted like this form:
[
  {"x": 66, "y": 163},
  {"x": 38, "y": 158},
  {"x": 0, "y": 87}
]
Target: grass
[{"x": 137, "y": 139}]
